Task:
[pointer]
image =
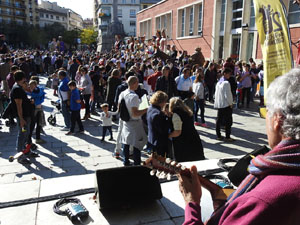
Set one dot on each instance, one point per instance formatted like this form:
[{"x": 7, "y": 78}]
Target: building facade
[
  {"x": 50, "y": 13},
  {"x": 75, "y": 20},
  {"x": 19, "y": 12},
  {"x": 222, "y": 28},
  {"x": 88, "y": 23}
]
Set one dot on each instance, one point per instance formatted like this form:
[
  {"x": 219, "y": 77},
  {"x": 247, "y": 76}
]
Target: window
[
  {"x": 191, "y": 31},
  {"x": 123, "y": 1},
  {"x": 200, "y": 20},
  {"x": 252, "y": 15},
  {"x": 237, "y": 15},
  {"x": 223, "y": 13},
  {"x": 132, "y": 23},
  {"x": 132, "y": 1},
  {"x": 18, "y": 12},
  {"x": 158, "y": 27},
  {"x": 119, "y": 12},
  {"x": 104, "y": 1},
  {"x": 63, "y": 18},
  {"x": 132, "y": 13},
  {"x": 294, "y": 13},
  {"x": 57, "y": 18},
  {"x": 182, "y": 22},
  {"x": 51, "y": 16},
  {"x": 41, "y": 15},
  {"x": 47, "y": 15}
]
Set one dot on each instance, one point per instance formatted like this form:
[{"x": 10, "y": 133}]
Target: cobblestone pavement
[{"x": 82, "y": 154}]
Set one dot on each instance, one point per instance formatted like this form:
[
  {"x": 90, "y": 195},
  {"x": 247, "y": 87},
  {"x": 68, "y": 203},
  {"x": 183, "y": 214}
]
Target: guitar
[{"x": 166, "y": 168}]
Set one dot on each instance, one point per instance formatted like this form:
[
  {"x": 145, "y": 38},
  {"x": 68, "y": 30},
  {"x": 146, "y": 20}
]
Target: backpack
[{"x": 124, "y": 114}]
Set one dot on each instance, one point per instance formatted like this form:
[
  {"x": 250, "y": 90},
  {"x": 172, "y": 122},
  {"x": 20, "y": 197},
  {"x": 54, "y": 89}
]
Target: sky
[{"x": 82, "y": 7}]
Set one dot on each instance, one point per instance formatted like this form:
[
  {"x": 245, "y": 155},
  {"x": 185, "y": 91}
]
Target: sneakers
[
  {"x": 117, "y": 155},
  {"x": 40, "y": 141},
  {"x": 204, "y": 125},
  {"x": 65, "y": 129},
  {"x": 220, "y": 138},
  {"x": 197, "y": 124},
  {"x": 229, "y": 140},
  {"x": 70, "y": 133}
]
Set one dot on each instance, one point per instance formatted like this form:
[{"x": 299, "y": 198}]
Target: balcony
[
  {"x": 5, "y": 13},
  {"x": 7, "y": 4},
  {"x": 103, "y": 27},
  {"x": 22, "y": 15},
  {"x": 104, "y": 15},
  {"x": 20, "y": 6}
]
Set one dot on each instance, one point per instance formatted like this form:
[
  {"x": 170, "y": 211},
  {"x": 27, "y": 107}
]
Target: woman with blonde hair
[
  {"x": 184, "y": 133},
  {"x": 158, "y": 124}
]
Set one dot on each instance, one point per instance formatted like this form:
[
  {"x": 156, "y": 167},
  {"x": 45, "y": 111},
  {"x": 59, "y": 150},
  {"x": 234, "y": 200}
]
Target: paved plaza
[{"x": 63, "y": 156}]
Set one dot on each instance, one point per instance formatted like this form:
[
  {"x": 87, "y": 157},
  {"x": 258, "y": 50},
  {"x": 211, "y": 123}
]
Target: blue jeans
[
  {"x": 199, "y": 104},
  {"x": 136, "y": 155},
  {"x": 66, "y": 114},
  {"x": 22, "y": 134}
]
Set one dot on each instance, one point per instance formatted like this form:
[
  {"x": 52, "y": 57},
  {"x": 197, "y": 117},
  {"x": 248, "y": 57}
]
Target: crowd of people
[{"x": 97, "y": 82}]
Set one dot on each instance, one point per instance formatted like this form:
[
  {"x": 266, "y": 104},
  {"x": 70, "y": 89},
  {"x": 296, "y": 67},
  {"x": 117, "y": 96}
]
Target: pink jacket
[{"x": 275, "y": 201}]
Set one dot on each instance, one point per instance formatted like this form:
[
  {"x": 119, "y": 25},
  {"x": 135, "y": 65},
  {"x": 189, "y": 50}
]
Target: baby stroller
[{"x": 52, "y": 119}]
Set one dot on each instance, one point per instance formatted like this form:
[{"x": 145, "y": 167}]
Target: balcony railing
[
  {"x": 12, "y": 5},
  {"x": 6, "y": 13}
]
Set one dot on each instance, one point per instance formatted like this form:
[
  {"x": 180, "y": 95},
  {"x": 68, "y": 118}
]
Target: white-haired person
[{"x": 270, "y": 194}]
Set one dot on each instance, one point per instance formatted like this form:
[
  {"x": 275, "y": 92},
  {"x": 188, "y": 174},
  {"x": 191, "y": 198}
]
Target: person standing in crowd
[
  {"x": 22, "y": 108},
  {"x": 112, "y": 84},
  {"x": 133, "y": 132},
  {"x": 75, "y": 107},
  {"x": 270, "y": 194},
  {"x": 210, "y": 79},
  {"x": 24, "y": 66},
  {"x": 198, "y": 89},
  {"x": 4, "y": 49},
  {"x": 223, "y": 103},
  {"x": 260, "y": 92},
  {"x": 95, "y": 77},
  {"x": 106, "y": 117},
  {"x": 184, "y": 132},
  {"x": 254, "y": 80},
  {"x": 64, "y": 96},
  {"x": 85, "y": 87},
  {"x": 38, "y": 117},
  {"x": 247, "y": 84},
  {"x": 158, "y": 124},
  {"x": 73, "y": 69},
  {"x": 47, "y": 63},
  {"x": 151, "y": 80},
  {"x": 166, "y": 83},
  {"x": 184, "y": 83}
]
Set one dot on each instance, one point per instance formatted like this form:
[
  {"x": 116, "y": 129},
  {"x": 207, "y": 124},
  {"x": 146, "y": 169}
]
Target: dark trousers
[
  {"x": 96, "y": 100},
  {"x": 35, "y": 120},
  {"x": 224, "y": 117},
  {"x": 75, "y": 117},
  {"x": 211, "y": 91},
  {"x": 86, "y": 99},
  {"x": 183, "y": 94},
  {"x": 199, "y": 104},
  {"x": 246, "y": 93},
  {"x": 136, "y": 155},
  {"x": 104, "y": 129}
]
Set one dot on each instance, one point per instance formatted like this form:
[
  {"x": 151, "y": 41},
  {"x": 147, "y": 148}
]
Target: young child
[
  {"x": 55, "y": 82},
  {"x": 106, "y": 117},
  {"x": 75, "y": 107}
]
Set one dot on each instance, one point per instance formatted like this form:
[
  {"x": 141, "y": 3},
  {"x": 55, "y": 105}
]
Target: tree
[{"x": 89, "y": 36}]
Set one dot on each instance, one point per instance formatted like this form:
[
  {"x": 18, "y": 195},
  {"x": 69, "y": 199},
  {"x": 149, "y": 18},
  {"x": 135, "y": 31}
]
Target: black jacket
[{"x": 167, "y": 86}]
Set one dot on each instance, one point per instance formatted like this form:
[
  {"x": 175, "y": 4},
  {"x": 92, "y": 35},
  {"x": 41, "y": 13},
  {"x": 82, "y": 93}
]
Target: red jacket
[{"x": 152, "y": 79}]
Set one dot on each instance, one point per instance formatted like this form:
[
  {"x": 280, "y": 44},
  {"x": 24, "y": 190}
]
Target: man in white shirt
[
  {"x": 133, "y": 132},
  {"x": 223, "y": 102},
  {"x": 184, "y": 83}
]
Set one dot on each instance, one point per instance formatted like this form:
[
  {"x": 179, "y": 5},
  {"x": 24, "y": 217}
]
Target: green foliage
[
  {"x": 88, "y": 36},
  {"x": 34, "y": 36}
]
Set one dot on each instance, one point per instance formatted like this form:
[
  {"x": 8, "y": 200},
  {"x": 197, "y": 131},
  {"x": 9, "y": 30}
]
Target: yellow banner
[{"x": 274, "y": 36}]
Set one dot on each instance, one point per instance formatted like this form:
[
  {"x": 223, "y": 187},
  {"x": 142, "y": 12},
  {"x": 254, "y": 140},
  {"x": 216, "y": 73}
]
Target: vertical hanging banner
[{"x": 274, "y": 35}]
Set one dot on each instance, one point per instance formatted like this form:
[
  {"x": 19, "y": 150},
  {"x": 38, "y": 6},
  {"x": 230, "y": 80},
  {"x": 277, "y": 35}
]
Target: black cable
[
  {"x": 46, "y": 198},
  {"x": 62, "y": 202}
]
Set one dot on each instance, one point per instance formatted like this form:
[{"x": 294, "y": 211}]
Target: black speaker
[{"x": 126, "y": 186}]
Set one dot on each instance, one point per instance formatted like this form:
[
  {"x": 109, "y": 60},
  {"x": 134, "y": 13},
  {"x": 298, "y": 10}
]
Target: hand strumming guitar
[{"x": 190, "y": 187}]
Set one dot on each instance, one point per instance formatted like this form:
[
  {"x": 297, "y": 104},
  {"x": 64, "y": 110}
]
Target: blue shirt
[
  {"x": 75, "y": 95},
  {"x": 63, "y": 85}
]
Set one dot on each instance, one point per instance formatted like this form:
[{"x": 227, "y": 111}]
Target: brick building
[{"x": 222, "y": 28}]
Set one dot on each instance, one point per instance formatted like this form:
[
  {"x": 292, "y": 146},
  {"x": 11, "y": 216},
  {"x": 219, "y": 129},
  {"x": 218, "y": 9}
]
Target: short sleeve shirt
[
  {"x": 131, "y": 100},
  {"x": 17, "y": 92},
  {"x": 74, "y": 106},
  {"x": 177, "y": 122}
]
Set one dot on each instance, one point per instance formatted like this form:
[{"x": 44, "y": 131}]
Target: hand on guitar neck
[{"x": 189, "y": 181}]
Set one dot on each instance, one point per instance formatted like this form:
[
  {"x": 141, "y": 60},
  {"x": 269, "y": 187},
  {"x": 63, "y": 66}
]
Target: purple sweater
[{"x": 275, "y": 200}]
